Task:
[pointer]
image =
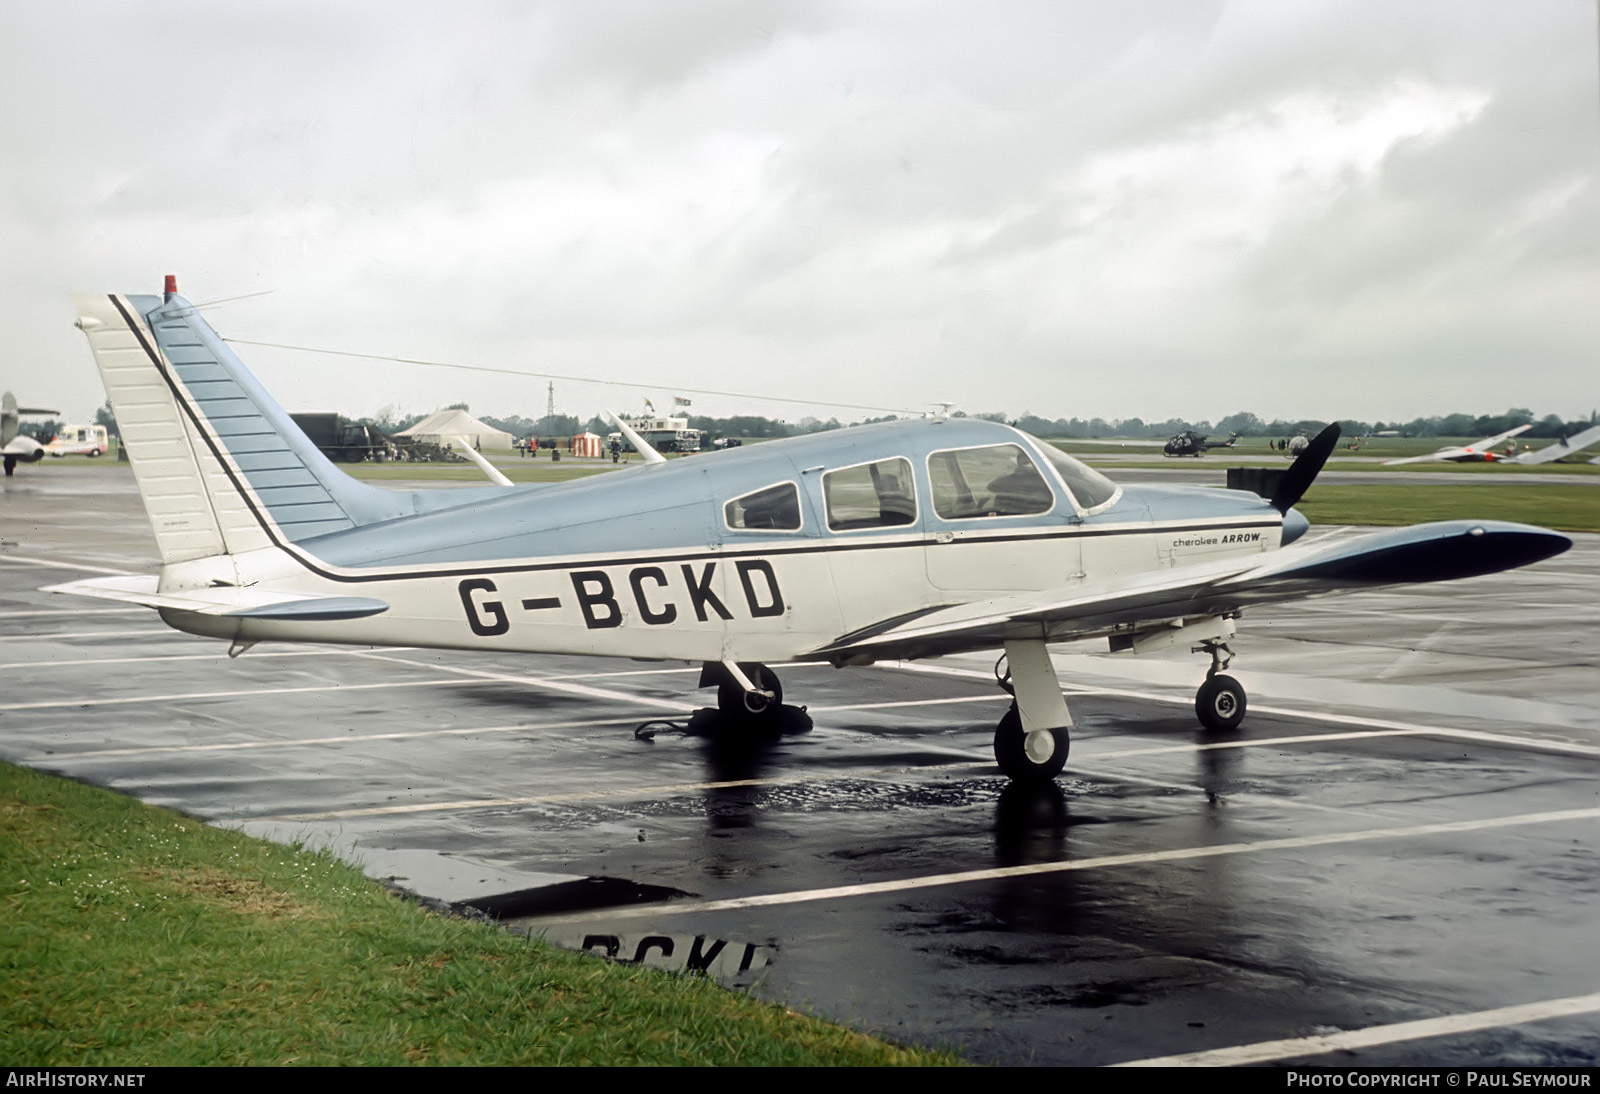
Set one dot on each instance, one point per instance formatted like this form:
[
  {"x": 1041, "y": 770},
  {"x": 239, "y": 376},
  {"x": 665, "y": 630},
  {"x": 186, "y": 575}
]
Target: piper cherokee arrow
[{"x": 892, "y": 541}]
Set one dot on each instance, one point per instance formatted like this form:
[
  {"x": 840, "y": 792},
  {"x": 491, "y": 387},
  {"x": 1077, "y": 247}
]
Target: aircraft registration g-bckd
[{"x": 899, "y": 540}]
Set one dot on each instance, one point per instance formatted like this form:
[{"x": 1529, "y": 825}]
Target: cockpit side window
[
  {"x": 996, "y": 481},
  {"x": 870, "y": 495},
  {"x": 776, "y": 508}
]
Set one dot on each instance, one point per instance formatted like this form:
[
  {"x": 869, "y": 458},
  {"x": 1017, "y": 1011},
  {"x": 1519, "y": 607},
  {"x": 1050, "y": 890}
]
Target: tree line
[{"x": 754, "y": 427}]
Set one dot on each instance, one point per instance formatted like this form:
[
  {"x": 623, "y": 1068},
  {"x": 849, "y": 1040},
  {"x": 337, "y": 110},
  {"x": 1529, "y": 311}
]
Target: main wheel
[
  {"x": 734, "y": 700},
  {"x": 1029, "y": 757},
  {"x": 1219, "y": 704}
]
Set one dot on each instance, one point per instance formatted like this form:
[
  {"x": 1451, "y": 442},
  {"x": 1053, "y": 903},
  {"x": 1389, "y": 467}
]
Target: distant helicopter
[{"x": 1190, "y": 443}]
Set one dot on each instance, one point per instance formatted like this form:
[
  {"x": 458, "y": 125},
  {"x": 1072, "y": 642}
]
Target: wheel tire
[
  {"x": 734, "y": 701},
  {"x": 94, "y": 452},
  {"x": 1220, "y": 703},
  {"x": 1024, "y": 764}
]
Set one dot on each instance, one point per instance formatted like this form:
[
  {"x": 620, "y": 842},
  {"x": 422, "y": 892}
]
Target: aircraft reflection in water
[{"x": 897, "y": 540}]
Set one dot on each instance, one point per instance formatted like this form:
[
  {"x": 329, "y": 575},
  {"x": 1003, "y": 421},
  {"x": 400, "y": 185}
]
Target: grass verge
[
  {"x": 1549, "y": 505},
  {"x": 133, "y": 936}
]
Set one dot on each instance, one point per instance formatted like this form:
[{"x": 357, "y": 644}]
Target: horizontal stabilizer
[{"x": 224, "y": 600}]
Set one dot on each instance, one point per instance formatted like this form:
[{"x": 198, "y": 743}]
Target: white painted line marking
[
  {"x": 1088, "y": 753},
  {"x": 1372, "y": 1036},
  {"x": 252, "y": 692},
  {"x": 88, "y": 634},
  {"x": 72, "y": 611},
  {"x": 908, "y": 703},
  {"x": 1179, "y": 854},
  {"x": 352, "y": 738},
  {"x": 546, "y": 682},
  {"x": 501, "y": 803},
  {"x": 219, "y": 655},
  {"x": 1268, "y": 800},
  {"x": 59, "y": 564},
  {"x": 1414, "y": 728},
  {"x": 1324, "y": 609}
]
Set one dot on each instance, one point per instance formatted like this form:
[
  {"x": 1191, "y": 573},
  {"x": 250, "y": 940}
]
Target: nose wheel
[{"x": 1220, "y": 702}]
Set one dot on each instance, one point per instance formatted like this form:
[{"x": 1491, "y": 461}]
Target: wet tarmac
[{"x": 1392, "y": 862}]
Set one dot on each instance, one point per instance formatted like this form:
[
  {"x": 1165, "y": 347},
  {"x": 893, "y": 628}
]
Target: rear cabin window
[
  {"x": 777, "y": 508},
  {"x": 997, "y": 481},
  {"x": 870, "y": 495}
]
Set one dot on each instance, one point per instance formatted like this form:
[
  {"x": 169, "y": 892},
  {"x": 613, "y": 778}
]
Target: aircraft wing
[
  {"x": 1424, "y": 552},
  {"x": 1471, "y": 451},
  {"x": 1490, "y": 442},
  {"x": 224, "y": 600},
  {"x": 1432, "y": 457},
  {"x": 1576, "y": 443}
]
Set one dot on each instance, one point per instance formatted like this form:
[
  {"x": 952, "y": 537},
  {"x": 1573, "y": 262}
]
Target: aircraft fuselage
[{"x": 647, "y": 563}]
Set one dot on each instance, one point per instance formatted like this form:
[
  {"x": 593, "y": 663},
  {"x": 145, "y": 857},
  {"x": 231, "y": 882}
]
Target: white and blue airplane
[{"x": 899, "y": 540}]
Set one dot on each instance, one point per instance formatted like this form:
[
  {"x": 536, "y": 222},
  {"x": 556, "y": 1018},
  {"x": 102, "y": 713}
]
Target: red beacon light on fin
[{"x": 171, "y": 288}]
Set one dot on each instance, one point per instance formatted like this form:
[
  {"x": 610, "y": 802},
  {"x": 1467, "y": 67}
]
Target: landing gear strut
[
  {"x": 1220, "y": 702},
  {"x": 1032, "y": 739},
  {"x": 744, "y": 690}
]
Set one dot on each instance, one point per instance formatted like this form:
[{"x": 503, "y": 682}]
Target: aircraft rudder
[{"x": 220, "y": 458}]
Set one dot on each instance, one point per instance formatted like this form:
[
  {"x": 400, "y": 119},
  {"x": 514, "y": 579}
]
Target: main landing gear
[
  {"x": 744, "y": 690},
  {"x": 1032, "y": 739}
]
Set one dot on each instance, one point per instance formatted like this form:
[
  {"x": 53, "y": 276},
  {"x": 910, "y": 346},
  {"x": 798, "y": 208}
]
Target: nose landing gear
[{"x": 1220, "y": 702}]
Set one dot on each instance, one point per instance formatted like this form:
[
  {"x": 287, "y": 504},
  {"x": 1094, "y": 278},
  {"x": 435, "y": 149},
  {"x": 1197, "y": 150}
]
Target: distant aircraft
[
  {"x": 1477, "y": 451},
  {"x": 15, "y": 446},
  {"x": 1564, "y": 447},
  {"x": 893, "y": 541},
  {"x": 1190, "y": 443}
]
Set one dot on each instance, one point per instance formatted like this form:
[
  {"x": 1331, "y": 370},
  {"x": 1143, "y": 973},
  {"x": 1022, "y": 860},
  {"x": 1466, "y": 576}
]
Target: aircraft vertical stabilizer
[
  {"x": 222, "y": 468},
  {"x": 1564, "y": 447}
]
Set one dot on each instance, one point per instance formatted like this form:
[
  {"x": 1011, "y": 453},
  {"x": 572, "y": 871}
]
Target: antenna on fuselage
[{"x": 940, "y": 412}]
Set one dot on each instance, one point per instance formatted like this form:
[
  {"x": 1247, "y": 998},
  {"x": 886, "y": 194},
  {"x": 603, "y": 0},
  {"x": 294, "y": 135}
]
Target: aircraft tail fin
[
  {"x": 221, "y": 467},
  {"x": 1565, "y": 447}
]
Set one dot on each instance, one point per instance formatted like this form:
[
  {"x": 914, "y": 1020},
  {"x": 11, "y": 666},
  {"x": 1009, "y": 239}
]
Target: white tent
[{"x": 445, "y": 426}]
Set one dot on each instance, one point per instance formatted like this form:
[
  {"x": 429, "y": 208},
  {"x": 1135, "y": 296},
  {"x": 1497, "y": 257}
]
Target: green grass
[
  {"x": 1550, "y": 505},
  {"x": 133, "y": 936}
]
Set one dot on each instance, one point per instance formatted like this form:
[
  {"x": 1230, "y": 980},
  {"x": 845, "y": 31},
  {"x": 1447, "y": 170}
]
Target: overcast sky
[{"x": 1302, "y": 209}]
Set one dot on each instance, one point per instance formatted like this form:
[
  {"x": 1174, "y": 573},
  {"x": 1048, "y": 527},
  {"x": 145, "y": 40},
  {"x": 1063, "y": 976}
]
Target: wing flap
[
  {"x": 223, "y": 600},
  {"x": 1426, "y": 552}
]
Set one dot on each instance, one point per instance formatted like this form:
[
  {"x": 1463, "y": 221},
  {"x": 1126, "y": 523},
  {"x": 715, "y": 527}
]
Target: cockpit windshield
[{"x": 1088, "y": 486}]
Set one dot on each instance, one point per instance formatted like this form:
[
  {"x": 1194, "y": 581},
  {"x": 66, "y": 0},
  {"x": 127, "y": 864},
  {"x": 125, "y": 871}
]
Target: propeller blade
[{"x": 1297, "y": 480}]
